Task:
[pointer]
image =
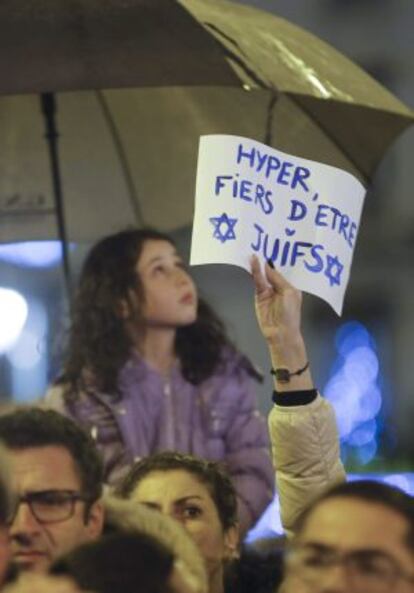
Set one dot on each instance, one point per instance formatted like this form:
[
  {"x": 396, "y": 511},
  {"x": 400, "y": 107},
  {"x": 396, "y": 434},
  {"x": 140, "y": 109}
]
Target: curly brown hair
[
  {"x": 98, "y": 341},
  {"x": 210, "y": 473}
]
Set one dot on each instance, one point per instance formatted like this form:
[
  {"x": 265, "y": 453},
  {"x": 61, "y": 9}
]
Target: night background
[{"x": 363, "y": 361}]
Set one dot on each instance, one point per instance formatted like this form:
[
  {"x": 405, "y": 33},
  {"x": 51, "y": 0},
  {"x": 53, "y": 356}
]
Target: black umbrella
[{"x": 181, "y": 69}]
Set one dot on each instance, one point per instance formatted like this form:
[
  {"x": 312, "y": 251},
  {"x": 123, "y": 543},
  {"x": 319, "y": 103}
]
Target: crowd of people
[{"x": 147, "y": 461}]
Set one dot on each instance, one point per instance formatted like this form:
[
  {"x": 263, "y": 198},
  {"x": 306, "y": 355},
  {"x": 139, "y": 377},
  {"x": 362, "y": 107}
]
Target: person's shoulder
[
  {"x": 61, "y": 395},
  {"x": 55, "y": 395}
]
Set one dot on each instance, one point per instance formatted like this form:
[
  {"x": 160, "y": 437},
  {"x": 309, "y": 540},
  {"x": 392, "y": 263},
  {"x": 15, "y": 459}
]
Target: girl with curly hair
[{"x": 150, "y": 368}]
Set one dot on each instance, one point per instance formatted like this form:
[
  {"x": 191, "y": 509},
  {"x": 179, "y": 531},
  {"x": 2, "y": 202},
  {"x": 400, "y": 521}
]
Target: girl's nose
[{"x": 182, "y": 277}]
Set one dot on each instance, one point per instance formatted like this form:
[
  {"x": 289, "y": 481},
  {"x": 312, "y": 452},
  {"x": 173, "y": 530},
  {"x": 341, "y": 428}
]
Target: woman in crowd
[
  {"x": 305, "y": 451},
  {"x": 198, "y": 494},
  {"x": 150, "y": 368}
]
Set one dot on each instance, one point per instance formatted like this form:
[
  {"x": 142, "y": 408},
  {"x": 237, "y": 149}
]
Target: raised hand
[
  {"x": 278, "y": 310},
  {"x": 278, "y": 304}
]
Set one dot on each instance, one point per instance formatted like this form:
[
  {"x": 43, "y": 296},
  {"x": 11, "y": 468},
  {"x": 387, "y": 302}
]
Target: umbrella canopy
[{"x": 143, "y": 79}]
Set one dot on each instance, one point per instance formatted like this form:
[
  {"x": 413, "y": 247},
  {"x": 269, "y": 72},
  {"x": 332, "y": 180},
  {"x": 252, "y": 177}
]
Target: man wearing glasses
[
  {"x": 57, "y": 483},
  {"x": 5, "y": 501},
  {"x": 356, "y": 538}
]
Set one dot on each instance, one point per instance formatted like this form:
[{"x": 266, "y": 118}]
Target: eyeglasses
[
  {"x": 371, "y": 571},
  {"x": 48, "y": 506}
]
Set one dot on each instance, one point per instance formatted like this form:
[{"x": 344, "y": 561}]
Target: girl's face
[
  {"x": 170, "y": 296},
  {"x": 179, "y": 494}
]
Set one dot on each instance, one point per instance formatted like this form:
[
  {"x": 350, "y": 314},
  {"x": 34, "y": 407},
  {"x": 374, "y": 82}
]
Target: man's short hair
[
  {"x": 209, "y": 473},
  {"x": 5, "y": 492},
  {"x": 369, "y": 491},
  {"x": 29, "y": 427}
]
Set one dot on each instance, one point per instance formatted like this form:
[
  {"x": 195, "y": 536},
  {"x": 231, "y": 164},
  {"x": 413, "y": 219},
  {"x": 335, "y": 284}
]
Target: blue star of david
[
  {"x": 333, "y": 270},
  {"x": 223, "y": 234}
]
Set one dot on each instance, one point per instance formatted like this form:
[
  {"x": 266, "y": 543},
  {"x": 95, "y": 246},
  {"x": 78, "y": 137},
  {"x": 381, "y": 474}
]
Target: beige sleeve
[{"x": 305, "y": 451}]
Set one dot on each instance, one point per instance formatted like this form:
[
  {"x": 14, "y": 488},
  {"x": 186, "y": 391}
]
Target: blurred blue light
[
  {"x": 404, "y": 480},
  {"x": 401, "y": 481},
  {"x": 13, "y": 315},
  {"x": 363, "y": 434},
  {"x": 370, "y": 403},
  {"x": 269, "y": 524},
  {"x": 28, "y": 357},
  {"x": 361, "y": 365},
  {"x": 352, "y": 335},
  {"x": 32, "y": 254},
  {"x": 354, "y": 392},
  {"x": 366, "y": 453}
]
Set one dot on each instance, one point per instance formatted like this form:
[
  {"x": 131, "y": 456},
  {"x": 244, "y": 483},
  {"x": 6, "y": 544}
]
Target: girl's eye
[
  {"x": 191, "y": 512},
  {"x": 158, "y": 269}
]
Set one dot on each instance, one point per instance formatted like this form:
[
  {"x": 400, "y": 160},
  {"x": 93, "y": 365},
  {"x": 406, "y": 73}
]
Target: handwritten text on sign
[{"x": 303, "y": 215}]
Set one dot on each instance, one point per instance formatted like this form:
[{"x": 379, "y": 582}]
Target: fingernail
[{"x": 270, "y": 263}]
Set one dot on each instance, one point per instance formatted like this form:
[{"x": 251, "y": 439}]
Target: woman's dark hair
[
  {"x": 260, "y": 568},
  {"x": 98, "y": 341},
  {"x": 124, "y": 563},
  {"x": 210, "y": 473}
]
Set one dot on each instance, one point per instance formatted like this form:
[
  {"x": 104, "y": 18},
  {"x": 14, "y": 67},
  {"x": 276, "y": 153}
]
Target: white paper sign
[{"x": 303, "y": 215}]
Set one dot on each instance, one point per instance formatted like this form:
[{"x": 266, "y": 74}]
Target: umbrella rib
[
  {"x": 296, "y": 99},
  {"x": 132, "y": 192},
  {"x": 233, "y": 56},
  {"x": 268, "y": 138}
]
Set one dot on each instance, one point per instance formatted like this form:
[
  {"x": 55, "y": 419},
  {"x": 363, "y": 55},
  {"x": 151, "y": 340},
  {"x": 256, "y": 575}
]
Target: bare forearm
[{"x": 289, "y": 352}]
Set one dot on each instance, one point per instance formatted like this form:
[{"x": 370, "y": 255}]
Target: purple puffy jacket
[{"x": 217, "y": 419}]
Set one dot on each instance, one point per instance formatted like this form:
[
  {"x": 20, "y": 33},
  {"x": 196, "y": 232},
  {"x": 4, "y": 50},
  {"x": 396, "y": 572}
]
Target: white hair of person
[{"x": 130, "y": 516}]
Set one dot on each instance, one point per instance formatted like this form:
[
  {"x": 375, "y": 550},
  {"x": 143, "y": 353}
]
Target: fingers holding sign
[
  {"x": 278, "y": 307},
  {"x": 278, "y": 303}
]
